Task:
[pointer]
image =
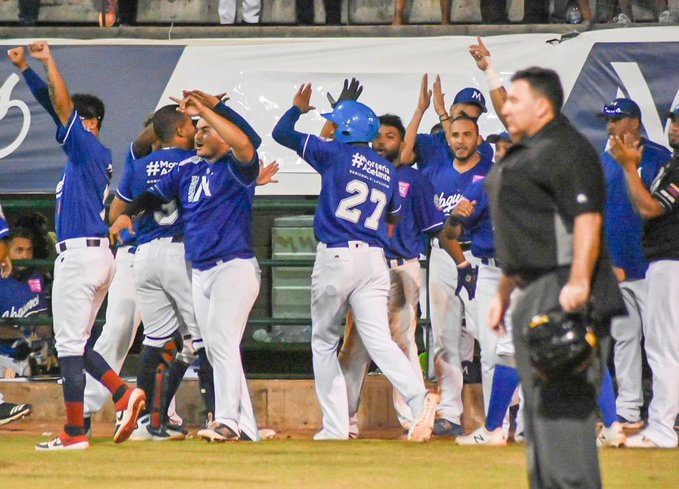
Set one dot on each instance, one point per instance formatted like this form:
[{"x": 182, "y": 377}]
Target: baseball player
[
  {"x": 215, "y": 191},
  {"x": 419, "y": 216},
  {"x": 22, "y": 295},
  {"x": 251, "y": 11},
  {"x": 623, "y": 230},
  {"x": 451, "y": 163},
  {"x": 658, "y": 207},
  {"x": 84, "y": 266},
  {"x": 358, "y": 196},
  {"x": 161, "y": 274}
]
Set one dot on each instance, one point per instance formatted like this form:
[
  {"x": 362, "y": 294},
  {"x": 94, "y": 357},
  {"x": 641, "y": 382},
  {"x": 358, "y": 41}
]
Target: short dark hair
[
  {"x": 20, "y": 232},
  {"x": 394, "y": 121},
  {"x": 89, "y": 107},
  {"x": 436, "y": 128},
  {"x": 544, "y": 81},
  {"x": 465, "y": 117},
  {"x": 166, "y": 120}
]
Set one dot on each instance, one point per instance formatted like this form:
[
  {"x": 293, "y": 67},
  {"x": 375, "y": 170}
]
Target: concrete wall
[{"x": 283, "y": 11}]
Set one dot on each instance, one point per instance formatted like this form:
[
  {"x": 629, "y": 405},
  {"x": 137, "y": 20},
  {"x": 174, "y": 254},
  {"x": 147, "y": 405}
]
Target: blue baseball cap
[
  {"x": 619, "y": 108},
  {"x": 503, "y": 136},
  {"x": 673, "y": 114},
  {"x": 471, "y": 95}
]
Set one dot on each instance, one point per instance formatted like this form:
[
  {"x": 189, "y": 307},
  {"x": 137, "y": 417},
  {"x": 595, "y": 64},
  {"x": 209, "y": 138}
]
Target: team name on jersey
[
  {"x": 21, "y": 312},
  {"x": 446, "y": 204},
  {"x": 159, "y": 168},
  {"x": 378, "y": 170},
  {"x": 199, "y": 187}
]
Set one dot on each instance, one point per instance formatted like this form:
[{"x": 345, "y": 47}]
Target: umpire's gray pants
[{"x": 559, "y": 416}]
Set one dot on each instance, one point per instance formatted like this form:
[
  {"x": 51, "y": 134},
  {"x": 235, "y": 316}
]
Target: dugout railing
[{"x": 263, "y": 360}]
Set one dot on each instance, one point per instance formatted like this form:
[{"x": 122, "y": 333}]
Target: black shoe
[{"x": 11, "y": 412}]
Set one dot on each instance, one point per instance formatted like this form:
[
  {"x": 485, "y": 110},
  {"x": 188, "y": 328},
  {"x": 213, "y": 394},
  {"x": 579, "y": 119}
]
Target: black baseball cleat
[{"x": 11, "y": 412}]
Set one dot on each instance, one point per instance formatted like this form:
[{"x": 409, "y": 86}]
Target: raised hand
[
  {"x": 425, "y": 94},
  {"x": 205, "y": 98},
  {"x": 350, "y": 91},
  {"x": 40, "y": 50},
  {"x": 18, "y": 57},
  {"x": 302, "y": 98},
  {"x": 439, "y": 98},
  {"x": 267, "y": 172},
  {"x": 480, "y": 53},
  {"x": 190, "y": 105}
]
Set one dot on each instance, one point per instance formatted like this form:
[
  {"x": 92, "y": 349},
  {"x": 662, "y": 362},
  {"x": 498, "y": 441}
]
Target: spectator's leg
[
  {"x": 28, "y": 11},
  {"x": 127, "y": 12},
  {"x": 535, "y": 12},
  {"x": 626, "y": 8},
  {"x": 585, "y": 10},
  {"x": 305, "y": 12},
  {"x": 252, "y": 10},
  {"x": 227, "y": 11},
  {"x": 399, "y": 6},
  {"x": 333, "y": 12},
  {"x": 494, "y": 12},
  {"x": 445, "y": 11}
]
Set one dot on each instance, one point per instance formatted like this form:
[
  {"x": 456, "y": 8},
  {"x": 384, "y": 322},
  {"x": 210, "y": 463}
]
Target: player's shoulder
[
  {"x": 656, "y": 150},
  {"x": 190, "y": 162}
]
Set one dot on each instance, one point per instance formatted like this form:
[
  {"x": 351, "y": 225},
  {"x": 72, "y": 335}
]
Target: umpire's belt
[
  {"x": 399, "y": 262},
  {"x": 73, "y": 243},
  {"x": 348, "y": 244},
  {"x": 466, "y": 246}
]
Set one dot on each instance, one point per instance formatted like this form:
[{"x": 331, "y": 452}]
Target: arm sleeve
[
  {"x": 4, "y": 227},
  {"x": 284, "y": 133},
  {"x": 168, "y": 187},
  {"x": 146, "y": 202},
  {"x": 41, "y": 92},
  {"x": 246, "y": 173},
  {"x": 667, "y": 194},
  {"x": 425, "y": 149},
  {"x": 240, "y": 122},
  {"x": 124, "y": 191},
  {"x": 394, "y": 207}
]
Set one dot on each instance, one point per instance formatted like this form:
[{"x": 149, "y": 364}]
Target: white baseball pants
[
  {"x": 223, "y": 297},
  {"x": 82, "y": 276},
  {"x": 163, "y": 283},
  {"x": 661, "y": 330},
  {"x": 626, "y": 331},
  {"x": 354, "y": 277},
  {"x": 122, "y": 320},
  {"x": 446, "y": 320}
]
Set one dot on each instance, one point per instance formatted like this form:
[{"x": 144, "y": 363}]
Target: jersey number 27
[{"x": 347, "y": 208}]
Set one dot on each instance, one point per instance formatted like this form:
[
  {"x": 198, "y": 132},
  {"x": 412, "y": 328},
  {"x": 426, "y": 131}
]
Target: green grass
[{"x": 302, "y": 464}]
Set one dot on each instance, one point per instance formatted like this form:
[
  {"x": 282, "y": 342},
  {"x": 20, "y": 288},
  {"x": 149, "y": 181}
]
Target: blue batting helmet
[{"x": 356, "y": 122}]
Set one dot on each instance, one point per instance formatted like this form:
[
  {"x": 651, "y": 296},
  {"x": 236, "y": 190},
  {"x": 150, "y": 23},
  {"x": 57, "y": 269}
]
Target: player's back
[
  {"x": 358, "y": 189},
  {"x": 84, "y": 187},
  {"x": 140, "y": 175}
]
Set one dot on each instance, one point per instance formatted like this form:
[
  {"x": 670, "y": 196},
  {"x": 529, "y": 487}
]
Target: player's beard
[{"x": 465, "y": 157}]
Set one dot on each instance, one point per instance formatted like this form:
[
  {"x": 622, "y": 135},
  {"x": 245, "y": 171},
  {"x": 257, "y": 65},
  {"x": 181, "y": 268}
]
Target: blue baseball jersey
[
  {"x": 419, "y": 214},
  {"x": 623, "y": 227},
  {"x": 128, "y": 238},
  {"x": 83, "y": 188},
  {"x": 435, "y": 160},
  {"x": 143, "y": 173},
  {"x": 22, "y": 298},
  {"x": 479, "y": 226},
  {"x": 358, "y": 189},
  {"x": 216, "y": 204}
]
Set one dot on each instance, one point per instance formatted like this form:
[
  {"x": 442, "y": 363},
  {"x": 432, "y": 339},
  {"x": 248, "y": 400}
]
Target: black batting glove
[
  {"x": 466, "y": 278},
  {"x": 350, "y": 91}
]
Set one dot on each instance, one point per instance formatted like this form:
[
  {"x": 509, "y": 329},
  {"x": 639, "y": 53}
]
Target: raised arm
[
  {"x": 241, "y": 145},
  {"x": 408, "y": 151},
  {"x": 36, "y": 85},
  {"x": 498, "y": 94},
  {"x": 61, "y": 99},
  {"x": 284, "y": 133}
]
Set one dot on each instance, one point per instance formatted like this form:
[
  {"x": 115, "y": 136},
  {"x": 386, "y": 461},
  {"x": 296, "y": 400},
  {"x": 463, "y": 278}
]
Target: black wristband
[{"x": 454, "y": 221}]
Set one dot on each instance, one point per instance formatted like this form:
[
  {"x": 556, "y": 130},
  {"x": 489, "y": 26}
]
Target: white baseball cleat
[
  {"x": 613, "y": 436},
  {"x": 482, "y": 437},
  {"x": 421, "y": 429},
  {"x": 267, "y": 434}
]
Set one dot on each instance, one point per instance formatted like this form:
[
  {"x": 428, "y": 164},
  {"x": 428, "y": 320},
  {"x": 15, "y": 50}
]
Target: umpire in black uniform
[{"x": 546, "y": 199}]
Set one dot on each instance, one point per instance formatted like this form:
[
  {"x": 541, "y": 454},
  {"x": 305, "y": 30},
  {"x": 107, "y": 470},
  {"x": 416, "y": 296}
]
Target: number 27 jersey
[
  {"x": 358, "y": 189},
  {"x": 143, "y": 173}
]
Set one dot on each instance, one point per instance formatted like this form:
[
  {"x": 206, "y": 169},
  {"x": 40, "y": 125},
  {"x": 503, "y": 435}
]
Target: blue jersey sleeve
[
  {"x": 475, "y": 192},
  {"x": 169, "y": 186},
  {"x": 426, "y": 148},
  {"x": 77, "y": 142},
  {"x": 233, "y": 116},
  {"x": 284, "y": 133},
  {"x": 245, "y": 173},
  {"x": 124, "y": 191},
  {"x": 41, "y": 92}
]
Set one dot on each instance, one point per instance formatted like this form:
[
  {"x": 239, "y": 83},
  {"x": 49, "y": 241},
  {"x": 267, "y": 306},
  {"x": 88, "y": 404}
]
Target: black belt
[
  {"x": 89, "y": 243},
  {"x": 178, "y": 239},
  {"x": 491, "y": 262}
]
